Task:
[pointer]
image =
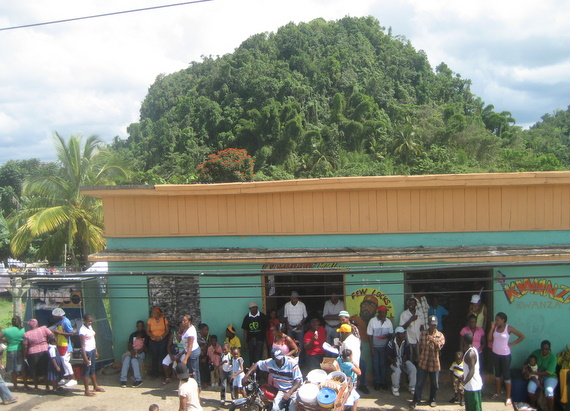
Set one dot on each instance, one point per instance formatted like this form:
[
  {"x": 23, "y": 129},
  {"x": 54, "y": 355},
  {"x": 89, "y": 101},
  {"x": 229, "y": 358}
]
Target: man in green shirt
[
  {"x": 14, "y": 336},
  {"x": 546, "y": 362}
]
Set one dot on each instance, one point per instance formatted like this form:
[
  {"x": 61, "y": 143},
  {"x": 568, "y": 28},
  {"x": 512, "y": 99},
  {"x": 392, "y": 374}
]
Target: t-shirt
[
  {"x": 352, "y": 343},
  {"x": 36, "y": 339},
  {"x": 317, "y": 348},
  {"x": 333, "y": 309},
  {"x": 15, "y": 337},
  {"x": 157, "y": 329},
  {"x": 547, "y": 363},
  {"x": 226, "y": 361},
  {"x": 190, "y": 332},
  {"x": 457, "y": 369},
  {"x": 234, "y": 342},
  {"x": 190, "y": 390},
  {"x": 137, "y": 340},
  {"x": 285, "y": 376},
  {"x": 295, "y": 313},
  {"x": 214, "y": 358},
  {"x": 52, "y": 351},
  {"x": 89, "y": 335},
  {"x": 413, "y": 330},
  {"x": 439, "y": 312},
  {"x": 64, "y": 340},
  {"x": 477, "y": 337},
  {"x": 256, "y": 326},
  {"x": 380, "y": 331}
]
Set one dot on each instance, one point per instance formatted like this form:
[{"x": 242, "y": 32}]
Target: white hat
[
  {"x": 400, "y": 330},
  {"x": 58, "y": 312},
  {"x": 475, "y": 298}
]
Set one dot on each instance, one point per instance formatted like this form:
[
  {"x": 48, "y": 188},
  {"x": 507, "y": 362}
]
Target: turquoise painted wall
[
  {"x": 129, "y": 303},
  {"x": 539, "y": 316},
  {"x": 348, "y": 240}
]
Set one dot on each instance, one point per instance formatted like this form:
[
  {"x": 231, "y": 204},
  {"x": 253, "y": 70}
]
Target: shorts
[
  {"x": 14, "y": 361},
  {"x": 89, "y": 369},
  {"x": 237, "y": 380},
  {"x": 457, "y": 385}
]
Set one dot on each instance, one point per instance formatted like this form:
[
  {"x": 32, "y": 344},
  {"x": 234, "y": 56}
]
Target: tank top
[
  {"x": 475, "y": 383},
  {"x": 501, "y": 341},
  {"x": 282, "y": 346}
]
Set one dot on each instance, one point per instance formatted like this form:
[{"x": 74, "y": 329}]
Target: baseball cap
[
  {"x": 277, "y": 354},
  {"x": 253, "y": 304},
  {"x": 182, "y": 371},
  {"x": 344, "y": 328},
  {"x": 382, "y": 308},
  {"x": 432, "y": 319},
  {"x": 475, "y": 299},
  {"x": 400, "y": 330}
]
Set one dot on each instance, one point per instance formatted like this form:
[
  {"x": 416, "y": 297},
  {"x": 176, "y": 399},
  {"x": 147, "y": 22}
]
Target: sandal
[
  {"x": 166, "y": 381},
  {"x": 90, "y": 394},
  {"x": 99, "y": 389},
  {"x": 494, "y": 396},
  {"x": 10, "y": 401},
  {"x": 508, "y": 402}
]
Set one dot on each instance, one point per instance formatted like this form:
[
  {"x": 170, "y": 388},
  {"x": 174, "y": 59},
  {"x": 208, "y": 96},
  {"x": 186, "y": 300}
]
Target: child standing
[
  {"x": 456, "y": 371},
  {"x": 55, "y": 365},
  {"x": 351, "y": 371},
  {"x": 237, "y": 373},
  {"x": 214, "y": 354},
  {"x": 225, "y": 373}
]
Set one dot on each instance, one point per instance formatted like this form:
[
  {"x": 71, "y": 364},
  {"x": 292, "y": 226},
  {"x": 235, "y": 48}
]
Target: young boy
[
  {"x": 237, "y": 373},
  {"x": 214, "y": 354},
  {"x": 225, "y": 373},
  {"x": 456, "y": 371}
]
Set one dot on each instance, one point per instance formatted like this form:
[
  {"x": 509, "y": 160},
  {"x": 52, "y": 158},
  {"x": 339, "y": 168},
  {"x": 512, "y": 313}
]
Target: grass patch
[{"x": 5, "y": 313}]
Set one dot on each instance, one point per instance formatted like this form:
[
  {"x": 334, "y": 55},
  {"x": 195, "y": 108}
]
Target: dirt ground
[{"x": 153, "y": 392}]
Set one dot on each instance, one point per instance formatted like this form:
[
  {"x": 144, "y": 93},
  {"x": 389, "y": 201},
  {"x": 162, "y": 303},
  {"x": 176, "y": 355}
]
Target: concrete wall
[{"x": 537, "y": 303}]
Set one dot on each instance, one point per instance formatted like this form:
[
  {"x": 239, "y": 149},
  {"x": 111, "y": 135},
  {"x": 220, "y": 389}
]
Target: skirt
[{"x": 53, "y": 374}]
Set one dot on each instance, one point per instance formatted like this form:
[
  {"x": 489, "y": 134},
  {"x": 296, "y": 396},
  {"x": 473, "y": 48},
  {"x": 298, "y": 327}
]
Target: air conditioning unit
[{"x": 76, "y": 300}]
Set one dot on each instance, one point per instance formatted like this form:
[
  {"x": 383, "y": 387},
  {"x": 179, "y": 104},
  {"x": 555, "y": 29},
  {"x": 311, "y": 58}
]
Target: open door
[{"x": 93, "y": 304}]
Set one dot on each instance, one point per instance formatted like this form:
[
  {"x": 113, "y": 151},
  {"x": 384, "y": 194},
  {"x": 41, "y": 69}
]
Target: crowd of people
[{"x": 295, "y": 345}]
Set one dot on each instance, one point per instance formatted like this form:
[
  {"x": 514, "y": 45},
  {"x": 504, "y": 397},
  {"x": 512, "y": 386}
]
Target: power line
[{"x": 103, "y": 15}]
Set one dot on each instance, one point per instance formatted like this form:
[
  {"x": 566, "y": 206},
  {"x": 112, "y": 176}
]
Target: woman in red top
[{"x": 314, "y": 340}]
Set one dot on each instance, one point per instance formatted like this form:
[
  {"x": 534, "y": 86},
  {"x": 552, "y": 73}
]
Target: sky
[{"x": 90, "y": 76}]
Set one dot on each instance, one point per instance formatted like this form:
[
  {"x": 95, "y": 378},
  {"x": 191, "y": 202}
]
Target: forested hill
[{"x": 329, "y": 99}]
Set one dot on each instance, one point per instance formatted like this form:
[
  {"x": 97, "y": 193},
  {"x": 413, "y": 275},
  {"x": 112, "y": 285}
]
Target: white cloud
[{"x": 90, "y": 76}]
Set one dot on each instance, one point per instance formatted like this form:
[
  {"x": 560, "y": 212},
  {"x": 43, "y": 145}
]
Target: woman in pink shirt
[
  {"x": 36, "y": 351},
  {"x": 499, "y": 336},
  {"x": 478, "y": 336}
]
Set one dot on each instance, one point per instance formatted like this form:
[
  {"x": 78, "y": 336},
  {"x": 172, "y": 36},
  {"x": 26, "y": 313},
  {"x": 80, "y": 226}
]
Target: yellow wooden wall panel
[
  {"x": 494, "y": 208},
  {"x": 330, "y": 212},
  {"x": 482, "y": 209},
  {"x": 458, "y": 200},
  {"x": 358, "y": 210},
  {"x": 382, "y": 210}
]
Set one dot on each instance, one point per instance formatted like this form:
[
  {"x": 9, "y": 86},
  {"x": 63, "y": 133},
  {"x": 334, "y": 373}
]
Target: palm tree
[
  {"x": 407, "y": 142},
  {"x": 57, "y": 213}
]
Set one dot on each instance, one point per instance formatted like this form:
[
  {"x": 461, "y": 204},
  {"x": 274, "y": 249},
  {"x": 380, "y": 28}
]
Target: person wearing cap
[
  {"x": 411, "y": 322},
  {"x": 36, "y": 350},
  {"x": 231, "y": 338},
  {"x": 344, "y": 318},
  {"x": 254, "y": 326},
  {"x": 188, "y": 392},
  {"x": 349, "y": 340},
  {"x": 330, "y": 314},
  {"x": 295, "y": 314},
  {"x": 479, "y": 310},
  {"x": 286, "y": 374},
  {"x": 430, "y": 344},
  {"x": 379, "y": 331},
  {"x": 398, "y": 356},
  {"x": 64, "y": 331}
]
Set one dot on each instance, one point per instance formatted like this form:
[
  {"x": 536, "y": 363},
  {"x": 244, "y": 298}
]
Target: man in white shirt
[
  {"x": 350, "y": 341},
  {"x": 380, "y": 330},
  {"x": 411, "y": 322},
  {"x": 330, "y": 314},
  {"x": 295, "y": 314}
]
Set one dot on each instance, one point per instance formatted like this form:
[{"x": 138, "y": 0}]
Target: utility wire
[{"x": 103, "y": 15}]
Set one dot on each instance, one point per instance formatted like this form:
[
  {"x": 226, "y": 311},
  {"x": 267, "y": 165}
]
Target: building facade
[{"x": 209, "y": 249}]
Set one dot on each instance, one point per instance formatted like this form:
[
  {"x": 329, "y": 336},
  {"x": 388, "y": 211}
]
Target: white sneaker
[
  {"x": 396, "y": 391},
  {"x": 71, "y": 383},
  {"x": 412, "y": 390}
]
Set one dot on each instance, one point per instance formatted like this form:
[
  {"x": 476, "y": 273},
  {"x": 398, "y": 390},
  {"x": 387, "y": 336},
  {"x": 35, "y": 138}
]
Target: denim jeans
[
  {"x": 433, "y": 384},
  {"x": 135, "y": 362},
  {"x": 4, "y": 391},
  {"x": 379, "y": 365},
  {"x": 194, "y": 365}
]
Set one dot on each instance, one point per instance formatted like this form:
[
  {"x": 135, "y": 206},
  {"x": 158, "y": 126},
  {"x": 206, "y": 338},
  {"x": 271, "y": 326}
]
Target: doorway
[
  {"x": 454, "y": 289},
  {"x": 313, "y": 289}
]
